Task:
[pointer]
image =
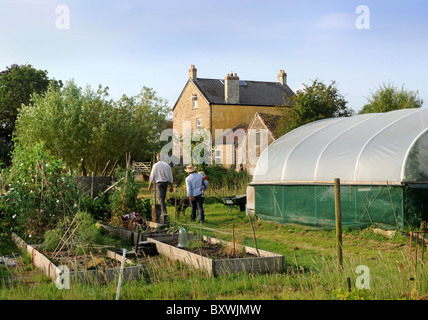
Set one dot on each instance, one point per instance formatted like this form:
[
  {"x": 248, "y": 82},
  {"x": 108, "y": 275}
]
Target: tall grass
[{"x": 310, "y": 271}]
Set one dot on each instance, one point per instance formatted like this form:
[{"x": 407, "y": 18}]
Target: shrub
[
  {"x": 88, "y": 234},
  {"x": 124, "y": 199},
  {"x": 40, "y": 192}
]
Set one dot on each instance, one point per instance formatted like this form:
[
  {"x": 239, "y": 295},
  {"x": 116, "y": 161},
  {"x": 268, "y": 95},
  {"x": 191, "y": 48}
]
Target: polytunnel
[{"x": 381, "y": 160}]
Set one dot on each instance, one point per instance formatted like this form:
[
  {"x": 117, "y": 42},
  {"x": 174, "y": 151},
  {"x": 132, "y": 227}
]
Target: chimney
[
  {"x": 192, "y": 72},
  {"x": 282, "y": 77},
  {"x": 231, "y": 88}
]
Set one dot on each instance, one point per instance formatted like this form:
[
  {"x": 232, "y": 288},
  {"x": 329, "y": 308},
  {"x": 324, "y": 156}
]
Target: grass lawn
[{"x": 310, "y": 272}]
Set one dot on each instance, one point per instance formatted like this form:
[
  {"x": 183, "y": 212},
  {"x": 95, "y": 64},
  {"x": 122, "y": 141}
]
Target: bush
[
  {"x": 39, "y": 192},
  {"x": 87, "y": 234},
  {"x": 124, "y": 199}
]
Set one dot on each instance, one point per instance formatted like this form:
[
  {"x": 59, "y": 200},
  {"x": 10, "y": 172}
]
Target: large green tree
[
  {"x": 314, "y": 102},
  {"x": 75, "y": 124},
  {"x": 17, "y": 84},
  {"x": 389, "y": 97}
]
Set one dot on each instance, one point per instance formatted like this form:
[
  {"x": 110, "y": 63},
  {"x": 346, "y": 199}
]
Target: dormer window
[{"x": 194, "y": 101}]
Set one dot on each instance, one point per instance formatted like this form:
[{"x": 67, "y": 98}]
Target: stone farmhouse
[{"x": 223, "y": 105}]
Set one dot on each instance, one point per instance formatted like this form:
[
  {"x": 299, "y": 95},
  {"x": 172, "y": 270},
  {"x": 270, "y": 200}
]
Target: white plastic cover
[{"x": 369, "y": 148}]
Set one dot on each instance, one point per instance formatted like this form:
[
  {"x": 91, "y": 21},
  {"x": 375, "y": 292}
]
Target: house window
[
  {"x": 198, "y": 123},
  {"x": 257, "y": 138},
  {"x": 194, "y": 101},
  {"x": 218, "y": 156}
]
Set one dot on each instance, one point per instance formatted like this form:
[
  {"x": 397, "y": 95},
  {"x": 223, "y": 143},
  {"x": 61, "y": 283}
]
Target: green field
[{"x": 311, "y": 271}]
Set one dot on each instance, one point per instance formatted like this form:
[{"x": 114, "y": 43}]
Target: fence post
[{"x": 338, "y": 209}]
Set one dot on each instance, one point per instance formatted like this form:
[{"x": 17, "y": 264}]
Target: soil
[
  {"x": 83, "y": 262},
  {"x": 213, "y": 251}
]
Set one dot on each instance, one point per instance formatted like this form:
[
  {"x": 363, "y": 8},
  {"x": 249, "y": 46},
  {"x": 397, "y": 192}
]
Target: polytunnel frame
[
  {"x": 401, "y": 185},
  {"x": 402, "y": 181}
]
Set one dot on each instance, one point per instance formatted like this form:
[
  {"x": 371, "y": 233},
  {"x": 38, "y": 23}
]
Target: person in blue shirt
[{"x": 194, "y": 185}]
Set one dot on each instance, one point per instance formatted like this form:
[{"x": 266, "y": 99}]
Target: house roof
[
  {"x": 255, "y": 93},
  {"x": 250, "y": 92},
  {"x": 271, "y": 121}
]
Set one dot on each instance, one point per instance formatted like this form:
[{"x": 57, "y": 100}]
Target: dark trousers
[
  {"x": 161, "y": 189},
  {"x": 198, "y": 203}
]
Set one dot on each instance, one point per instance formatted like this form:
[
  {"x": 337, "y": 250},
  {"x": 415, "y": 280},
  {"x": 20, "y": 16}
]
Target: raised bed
[
  {"x": 256, "y": 261},
  {"x": 53, "y": 271},
  {"x": 132, "y": 235}
]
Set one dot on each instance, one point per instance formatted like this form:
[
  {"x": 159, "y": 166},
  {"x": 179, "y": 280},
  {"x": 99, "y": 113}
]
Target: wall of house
[
  {"x": 228, "y": 155},
  {"x": 229, "y": 116},
  {"x": 249, "y": 161},
  {"x": 184, "y": 110}
]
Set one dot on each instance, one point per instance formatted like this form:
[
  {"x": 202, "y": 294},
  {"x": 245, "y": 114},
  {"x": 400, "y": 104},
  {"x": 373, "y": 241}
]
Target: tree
[
  {"x": 75, "y": 124},
  {"x": 389, "y": 98},
  {"x": 17, "y": 84},
  {"x": 314, "y": 102}
]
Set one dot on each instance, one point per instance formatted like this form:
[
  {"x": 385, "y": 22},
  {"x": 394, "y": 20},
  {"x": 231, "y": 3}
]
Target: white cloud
[{"x": 336, "y": 21}]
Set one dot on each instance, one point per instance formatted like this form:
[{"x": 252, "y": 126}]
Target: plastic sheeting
[
  {"x": 314, "y": 205},
  {"x": 373, "y": 148}
]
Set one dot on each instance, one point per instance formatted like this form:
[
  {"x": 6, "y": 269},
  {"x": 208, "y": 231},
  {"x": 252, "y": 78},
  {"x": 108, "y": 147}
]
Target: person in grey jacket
[
  {"x": 161, "y": 175},
  {"x": 194, "y": 185}
]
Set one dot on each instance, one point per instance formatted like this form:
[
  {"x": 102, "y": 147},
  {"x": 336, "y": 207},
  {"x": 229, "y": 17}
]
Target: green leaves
[
  {"x": 75, "y": 124},
  {"x": 389, "y": 98},
  {"x": 17, "y": 84},
  {"x": 314, "y": 102}
]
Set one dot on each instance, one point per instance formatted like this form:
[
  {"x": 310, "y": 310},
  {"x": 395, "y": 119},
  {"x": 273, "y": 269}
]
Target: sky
[{"x": 128, "y": 44}]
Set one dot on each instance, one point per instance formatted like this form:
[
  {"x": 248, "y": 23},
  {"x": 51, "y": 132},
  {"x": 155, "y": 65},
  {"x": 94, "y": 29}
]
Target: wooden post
[
  {"x": 338, "y": 224},
  {"x": 254, "y": 235},
  {"x": 92, "y": 185},
  {"x": 121, "y": 274},
  {"x": 154, "y": 189},
  {"x": 105, "y": 169}
]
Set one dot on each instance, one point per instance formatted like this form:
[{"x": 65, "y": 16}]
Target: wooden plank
[
  {"x": 52, "y": 271},
  {"x": 266, "y": 262}
]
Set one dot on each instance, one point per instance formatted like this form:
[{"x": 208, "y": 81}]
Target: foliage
[
  {"x": 75, "y": 124},
  {"x": 98, "y": 207},
  {"x": 124, "y": 199},
  {"x": 389, "y": 98},
  {"x": 88, "y": 233},
  {"x": 17, "y": 84},
  {"x": 220, "y": 177},
  {"x": 40, "y": 192},
  {"x": 314, "y": 102},
  {"x": 360, "y": 294}
]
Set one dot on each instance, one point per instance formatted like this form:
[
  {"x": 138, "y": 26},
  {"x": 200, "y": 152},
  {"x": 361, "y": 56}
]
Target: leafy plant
[
  {"x": 125, "y": 200},
  {"x": 40, "y": 192}
]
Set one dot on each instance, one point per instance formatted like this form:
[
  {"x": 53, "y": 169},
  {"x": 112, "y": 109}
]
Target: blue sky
[{"x": 126, "y": 45}]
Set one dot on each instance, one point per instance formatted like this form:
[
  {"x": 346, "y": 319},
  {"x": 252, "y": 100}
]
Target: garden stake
[
  {"x": 121, "y": 273},
  {"x": 233, "y": 239},
  {"x": 114, "y": 167},
  {"x": 68, "y": 229},
  {"x": 410, "y": 258},
  {"x": 392, "y": 204},
  {"x": 105, "y": 169},
  {"x": 338, "y": 210},
  {"x": 254, "y": 236},
  {"x": 137, "y": 243},
  {"x": 54, "y": 256},
  {"x": 367, "y": 209},
  {"x": 175, "y": 221}
]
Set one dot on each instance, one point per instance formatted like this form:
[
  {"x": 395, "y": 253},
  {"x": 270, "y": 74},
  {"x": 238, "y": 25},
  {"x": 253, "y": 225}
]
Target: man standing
[
  {"x": 161, "y": 175},
  {"x": 194, "y": 183}
]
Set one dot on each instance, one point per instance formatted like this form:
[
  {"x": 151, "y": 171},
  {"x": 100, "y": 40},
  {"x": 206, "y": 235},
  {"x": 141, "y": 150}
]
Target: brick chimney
[
  {"x": 192, "y": 72},
  {"x": 231, "y": 88},
  {"x": 282, "y": 77}
]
